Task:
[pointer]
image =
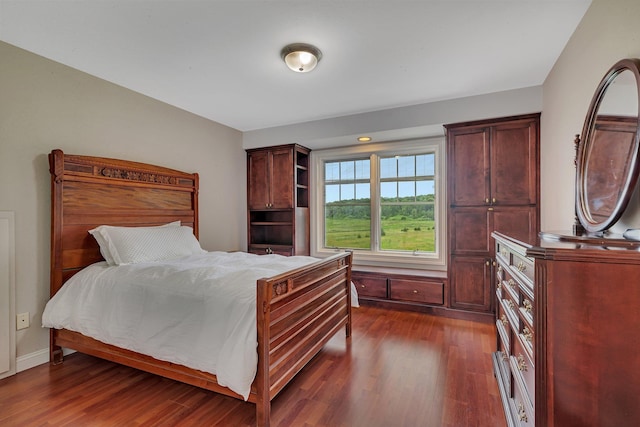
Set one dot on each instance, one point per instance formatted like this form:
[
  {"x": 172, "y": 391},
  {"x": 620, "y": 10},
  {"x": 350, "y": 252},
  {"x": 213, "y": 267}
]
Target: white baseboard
[{"x": 36, "y": 358}]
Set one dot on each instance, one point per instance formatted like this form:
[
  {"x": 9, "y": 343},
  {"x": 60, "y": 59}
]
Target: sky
[{"x": 393, "y": 172}]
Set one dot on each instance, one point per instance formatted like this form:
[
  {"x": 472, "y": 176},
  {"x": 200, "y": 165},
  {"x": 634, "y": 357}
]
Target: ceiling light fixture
[
  {"x": 364, "y": 138},
  {"x": 301, "y": 57}
]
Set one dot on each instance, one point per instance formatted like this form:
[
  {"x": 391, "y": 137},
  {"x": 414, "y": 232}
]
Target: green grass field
[{"x": 398, "y": 234}]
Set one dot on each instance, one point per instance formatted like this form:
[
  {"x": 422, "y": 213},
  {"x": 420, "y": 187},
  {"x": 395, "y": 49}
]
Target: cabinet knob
[
  {"x": 415, "y": 291},
  {"x": 493, "y": 200},
  {"x": 486, "y": 200}
]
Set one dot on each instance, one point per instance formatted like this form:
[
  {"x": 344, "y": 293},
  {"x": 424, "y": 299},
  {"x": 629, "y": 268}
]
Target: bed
[{"x": 296, "y": 311}]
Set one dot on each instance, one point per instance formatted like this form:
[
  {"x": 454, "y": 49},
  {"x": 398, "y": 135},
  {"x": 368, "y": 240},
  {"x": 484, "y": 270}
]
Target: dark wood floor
[{"x": 400, "y": 369}]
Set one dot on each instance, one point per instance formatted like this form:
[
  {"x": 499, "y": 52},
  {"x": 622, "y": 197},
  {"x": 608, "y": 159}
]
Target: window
[{"x": 382, "y": 201}]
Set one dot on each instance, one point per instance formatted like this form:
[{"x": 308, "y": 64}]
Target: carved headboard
[{"x": 90, "y": 191}]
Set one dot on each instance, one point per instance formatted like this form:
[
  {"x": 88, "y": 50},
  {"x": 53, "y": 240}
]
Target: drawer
[
  {"x": 527, "y": 338},
  {"x": 522, "y": 366},
  {"x": 430, "y": 292},
  {"x": 522, "y": 409},
  {"x": 503, "y": 327},
  {"x": 370, "y": 286},
  {"x": 271, "y": 249},
  {"x": 509, "y": 309},
  {"x": 502, "y": 356},
  {"x": 524, "y": 267},
  {"x": 526, "y": 309}
]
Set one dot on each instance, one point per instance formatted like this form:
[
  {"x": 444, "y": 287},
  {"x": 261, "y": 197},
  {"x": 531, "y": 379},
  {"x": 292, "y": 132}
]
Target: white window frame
[{"x": 420, "y": 260}]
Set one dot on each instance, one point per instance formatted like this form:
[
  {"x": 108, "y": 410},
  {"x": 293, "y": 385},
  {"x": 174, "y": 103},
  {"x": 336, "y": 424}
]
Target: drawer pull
[
  {"x": 521, "y": 413},
  {"x": 528, "y": 306},
  {"x": 415, "y": 291},
  {"x": 526, "y": 333},
  {"x": 504, "y": 320},
  {"x": 363, "y": 286},
  {"x": 522, "y": 364},
  {"x": 510, "y": 304},
  {"x": 522, "y": 267},
  {"x": 512, "y": 283},
  {"x": 505, "y": 356},
  {"x": 499, "y": 284}
]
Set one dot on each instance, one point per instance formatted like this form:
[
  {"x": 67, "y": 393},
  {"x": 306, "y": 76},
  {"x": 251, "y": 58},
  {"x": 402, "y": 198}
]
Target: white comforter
[{"x": 197, "y": 311}]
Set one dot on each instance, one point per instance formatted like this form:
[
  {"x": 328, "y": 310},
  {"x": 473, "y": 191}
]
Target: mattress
[{"x": 197, "y": 311}]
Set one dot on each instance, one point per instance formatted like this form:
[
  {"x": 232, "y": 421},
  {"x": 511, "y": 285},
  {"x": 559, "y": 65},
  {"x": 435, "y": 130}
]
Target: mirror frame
[{"x": 586, "y": 142}]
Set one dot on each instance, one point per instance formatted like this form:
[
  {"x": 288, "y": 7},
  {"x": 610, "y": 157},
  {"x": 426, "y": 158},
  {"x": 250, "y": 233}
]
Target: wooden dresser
[
  {"x": 514, "y": 360},
  {"x": 573, "y": 358}
]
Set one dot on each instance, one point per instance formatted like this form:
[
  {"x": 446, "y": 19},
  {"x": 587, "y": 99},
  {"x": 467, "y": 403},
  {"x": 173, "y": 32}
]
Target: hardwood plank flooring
[{"x": 398, "y": 369}]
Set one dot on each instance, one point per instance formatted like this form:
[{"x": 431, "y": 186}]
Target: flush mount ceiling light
[{"x": 301, "y": 57}]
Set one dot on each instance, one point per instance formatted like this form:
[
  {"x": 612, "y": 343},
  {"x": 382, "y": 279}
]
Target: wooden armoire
[{"x": 492, "y": 185}]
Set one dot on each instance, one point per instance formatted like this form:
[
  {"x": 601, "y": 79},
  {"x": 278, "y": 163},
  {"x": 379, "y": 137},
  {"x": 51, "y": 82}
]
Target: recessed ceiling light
[{"x": 364, "y": 138}]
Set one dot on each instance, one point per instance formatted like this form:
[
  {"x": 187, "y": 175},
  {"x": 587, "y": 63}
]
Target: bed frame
[{"x": 297, "y": 311}]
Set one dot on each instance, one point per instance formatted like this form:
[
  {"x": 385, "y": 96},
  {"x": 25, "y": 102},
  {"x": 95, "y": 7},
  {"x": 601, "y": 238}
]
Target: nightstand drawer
[
  {"x": 431, "y": 292},
  {"x": 370, "y": 286}
]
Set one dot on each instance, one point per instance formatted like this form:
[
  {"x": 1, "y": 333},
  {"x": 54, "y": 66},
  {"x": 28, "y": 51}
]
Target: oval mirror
[{"x": 607, "y": 158}]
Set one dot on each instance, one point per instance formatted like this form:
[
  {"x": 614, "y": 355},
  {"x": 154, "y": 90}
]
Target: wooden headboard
[{"x": 90, "y": 191}]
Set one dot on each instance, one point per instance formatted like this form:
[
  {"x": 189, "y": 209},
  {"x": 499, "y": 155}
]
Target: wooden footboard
[{"x": 298, "y": 312}]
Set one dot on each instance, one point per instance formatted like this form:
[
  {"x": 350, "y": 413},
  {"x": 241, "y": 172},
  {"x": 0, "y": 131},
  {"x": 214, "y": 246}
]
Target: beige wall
[
  {"x": 45, "y": 105},
  {"x": 608, "y": 32}
]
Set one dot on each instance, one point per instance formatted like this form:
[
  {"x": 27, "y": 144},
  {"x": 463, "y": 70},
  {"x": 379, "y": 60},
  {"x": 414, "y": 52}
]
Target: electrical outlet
[{"x": 22, "y": 321}]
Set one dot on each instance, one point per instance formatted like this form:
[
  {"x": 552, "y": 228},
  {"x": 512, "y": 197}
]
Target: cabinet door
[
  {"x": 514, "y": 163},
  {"x": 470, "y": 283},
  {"x": 258, "y": 169},
  {"x": 282, "y": 179},
  {"x": 469, "y": 231},
  {"x": 519, "y": 222},
  {"x": 468, "y": 177}
]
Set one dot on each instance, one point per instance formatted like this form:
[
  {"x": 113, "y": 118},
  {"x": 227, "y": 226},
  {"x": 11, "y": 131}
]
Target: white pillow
[{"x": 128, "y": 245}]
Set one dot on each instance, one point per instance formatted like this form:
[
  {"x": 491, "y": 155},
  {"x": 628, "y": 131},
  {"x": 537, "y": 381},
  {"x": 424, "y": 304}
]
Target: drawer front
[
  {"x": 522, "y": 366},
  {"x": 370, "y": 286},
  {"x": 504, "y": 328},
  {"x": 522, "y": 408},
  {"x": 429, "y": 292},
  {"x": 524, "y": 266},
  {"x": 267, "y": 250},
  {"x": 527, "y": 307},
  {"x": 504, "y": 350}
]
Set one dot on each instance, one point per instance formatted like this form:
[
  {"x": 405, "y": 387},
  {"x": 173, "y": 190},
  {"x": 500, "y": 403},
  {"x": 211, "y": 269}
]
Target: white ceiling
[{"x": 221, "y": 59}]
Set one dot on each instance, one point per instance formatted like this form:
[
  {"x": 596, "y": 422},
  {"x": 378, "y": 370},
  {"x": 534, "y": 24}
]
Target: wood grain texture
[{"x": 399, "y": 369}]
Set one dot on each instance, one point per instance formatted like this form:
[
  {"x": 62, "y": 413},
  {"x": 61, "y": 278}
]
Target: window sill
[{"x": 363, "y": 261}]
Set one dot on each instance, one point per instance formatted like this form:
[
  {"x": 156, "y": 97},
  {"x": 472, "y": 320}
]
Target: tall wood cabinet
[
  {"x": 278, "y": 200},
  {"x": 493, "y": 184},
  {"x": 568, "y": 352}
]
